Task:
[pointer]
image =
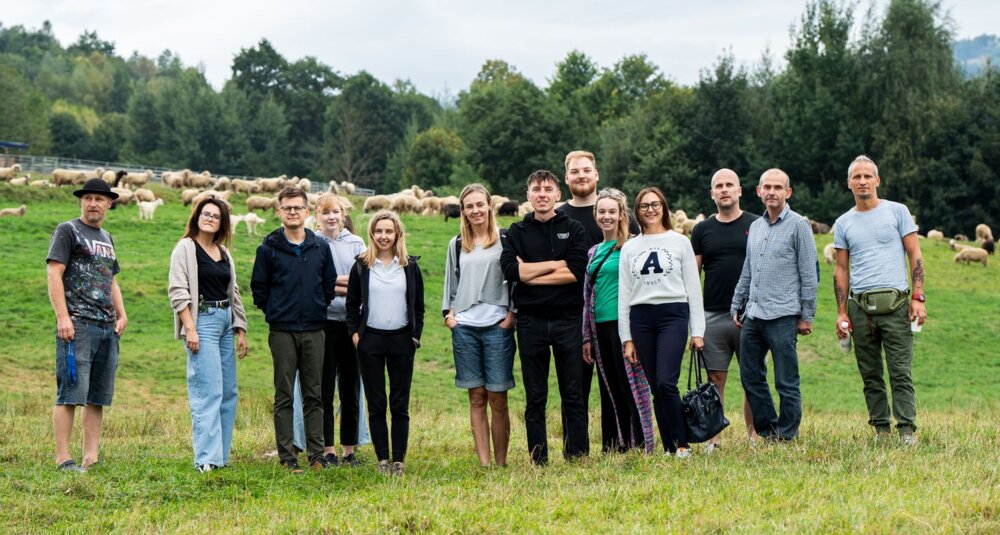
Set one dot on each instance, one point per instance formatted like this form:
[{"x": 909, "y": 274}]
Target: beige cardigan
[{"x": 183, "y": 284}]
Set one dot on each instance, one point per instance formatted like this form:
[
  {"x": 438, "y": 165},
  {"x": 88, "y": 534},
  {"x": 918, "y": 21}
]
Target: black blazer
[{"x": 357, "y": 298}]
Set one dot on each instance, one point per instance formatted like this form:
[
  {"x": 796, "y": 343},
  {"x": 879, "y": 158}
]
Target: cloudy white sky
[{"x": 440, "y": 45}]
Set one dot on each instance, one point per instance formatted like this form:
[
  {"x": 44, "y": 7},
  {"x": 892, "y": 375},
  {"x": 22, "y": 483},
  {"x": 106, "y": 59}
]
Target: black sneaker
[
  {"x": 319, "y": 463},
  {"x": 332, "y": 459},
  {"x": 293, "y": 466},
  {"x": 350, "y": 460}
]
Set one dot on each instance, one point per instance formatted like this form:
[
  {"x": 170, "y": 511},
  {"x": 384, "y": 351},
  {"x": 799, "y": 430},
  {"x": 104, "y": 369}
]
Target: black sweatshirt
[
  {"x": 559, "y": 238},
  {"x": 292, "y": 289}
]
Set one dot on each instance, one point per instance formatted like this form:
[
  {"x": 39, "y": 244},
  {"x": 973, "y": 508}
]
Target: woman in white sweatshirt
[{"x": 659, "y": 298}]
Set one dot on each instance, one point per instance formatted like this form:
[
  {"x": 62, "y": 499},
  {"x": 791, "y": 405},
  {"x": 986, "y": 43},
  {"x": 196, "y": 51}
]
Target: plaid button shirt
[{"x": 780, "y": 275}]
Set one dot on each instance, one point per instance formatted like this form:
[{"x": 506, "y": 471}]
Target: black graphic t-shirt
[{"x": 89, "y": 256}]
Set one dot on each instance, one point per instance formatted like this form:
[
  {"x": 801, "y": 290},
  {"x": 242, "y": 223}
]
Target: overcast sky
[{"x": 440, "y": 45}]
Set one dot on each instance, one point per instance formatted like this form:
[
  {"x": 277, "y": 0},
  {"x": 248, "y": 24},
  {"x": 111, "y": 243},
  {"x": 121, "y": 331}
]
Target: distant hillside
[{"x": 972, "y": 54}]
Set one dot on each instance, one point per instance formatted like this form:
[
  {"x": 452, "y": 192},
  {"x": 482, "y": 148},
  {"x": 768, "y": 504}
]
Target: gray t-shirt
[
  {"x": 874, "y": 241},
  {"x": 89, "y": 256}
]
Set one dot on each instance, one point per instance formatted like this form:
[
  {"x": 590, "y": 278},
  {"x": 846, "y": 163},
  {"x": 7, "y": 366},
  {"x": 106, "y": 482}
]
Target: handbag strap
[{"x": 696, "y": 355}]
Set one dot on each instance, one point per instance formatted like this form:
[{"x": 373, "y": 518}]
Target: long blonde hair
[
  {"x": 368, "y": 257},
  {"x": 623, "y": 213},
  {"x": 466, "y": 232}
]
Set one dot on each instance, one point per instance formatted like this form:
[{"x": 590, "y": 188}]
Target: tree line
[{"x": 886, "y": 85}]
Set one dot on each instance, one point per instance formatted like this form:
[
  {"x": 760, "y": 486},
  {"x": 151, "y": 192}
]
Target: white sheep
[
  {"x": 7, "y": 173},
  {"x": 935, "y": 235},
  {"x": 245, "y": 186},
  {"x": 14, "y": 212},
  {"x": 109, "y": 177},
  {"x": 524, "y": 209},
  {"x": 829, "y": 253},
  {"x": 40, "y": 184},
  {"x": 23, "y": 181},
  {"x": 138, "y": 179},
  {"x": 147, "y": 208},
  {"x": 251, "y": 220},
  {"x": 125, "y": 196},
  {"x": 188, "y": 195},
  {"x": 972, "y": 255},
  {"x": 145, "y": 195},
  {"x": 67, "y": 177},
  {"x": 175, "y": 179},
  {"x": 221, "y": 184},
  {"x": 955, "y": 246},
  {"x": 200, "y": 180},
  {"x": 257, "y": 202},
  {"x": 348, "y": 187},
  {"x": 271, "y": 185},
  {"x": 983, "y": 233},
  {"x": 376, "y": 203},
  {"x": 305, "y": 185},
  {"x": 333, "y": 188}
]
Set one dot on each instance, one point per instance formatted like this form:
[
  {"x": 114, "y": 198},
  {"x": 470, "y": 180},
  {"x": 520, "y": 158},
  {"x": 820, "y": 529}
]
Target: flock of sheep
[{"x": 966, "y": 254}]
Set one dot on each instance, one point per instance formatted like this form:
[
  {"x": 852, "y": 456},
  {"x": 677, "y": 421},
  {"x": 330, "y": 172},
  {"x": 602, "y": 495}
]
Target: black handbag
[{"x": 703, "y": 414}]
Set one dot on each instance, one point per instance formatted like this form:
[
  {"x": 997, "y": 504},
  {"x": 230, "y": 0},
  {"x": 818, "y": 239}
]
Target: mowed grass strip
[{"x": 835, "y": 478}]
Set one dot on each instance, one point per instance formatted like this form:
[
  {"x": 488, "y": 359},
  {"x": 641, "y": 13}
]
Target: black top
[
  {"x": 585, "y": 216},
  {"x": 723, "y": 248},
  {"x": 293, "y": 285},
  {"x": 213, "y": 277},
  {"x": 559, "y": 238}
]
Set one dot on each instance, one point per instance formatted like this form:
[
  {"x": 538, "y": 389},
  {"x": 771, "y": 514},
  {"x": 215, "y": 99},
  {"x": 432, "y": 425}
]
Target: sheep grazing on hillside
[
  {"x": 348, "y": 187},
  {"x": 144, "y": 195},
  {"x": 201, "y": 180},
  {"x": 251, "y": 220},
  {"x": 451, "y": 210},
  {"x": 257, "y": 202},
  {"x": 14, "y": 212},
  {"x": 402, "y": 204},
  {"x": 829, "y": 253},
  {"x": 935, "y": 235},
  {"x": 524, "y": 209},
  {"x": 271, "y": 185},
  {"x": 222, "y": 195},
  {"x": 432, "y": 206},
  {"x": 109, "y": 177},
  {"x": 221, "y": 184},
  {"x": 332, "y": 188},
  {"x": 983, "y": 233},
  {"x": 234, "y": 220},
  {"x": 955, "y": 246},
  {"x": 989, "y": 246},
  {"x": 972, "y": 255},
  {"x": 960, "y": 237},
  {"x": 175, "y": 179},
  {"x": 148, "y": 208},
  {"x": 125, "y": 196},
  {"x": 67, "y": 177},
  {"x": 508, "y": 208},
  {"x": 245, "y": 186},
  {"x": 498, "y": 201},
  {"x": 138, "y": 179},
  {"x": 23, "y": 181},
  {"x": 8, "y": 173},
  {"x": 305, "y": 185},
  {"x": 376, "y": 203},
  {"x": 819, "y": 228},
  {"x": 188, "y": 195},
  {"x": 40, "y": 184}
]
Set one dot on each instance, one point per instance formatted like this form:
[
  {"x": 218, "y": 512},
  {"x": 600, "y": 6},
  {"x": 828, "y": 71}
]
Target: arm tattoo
[
  {"x": 839, "y": 293},
  {"x": 918, "y": 272}
]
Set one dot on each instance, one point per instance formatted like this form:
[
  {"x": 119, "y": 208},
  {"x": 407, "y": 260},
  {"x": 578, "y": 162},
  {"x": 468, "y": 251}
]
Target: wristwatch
[{"x": 920, "y": 297}]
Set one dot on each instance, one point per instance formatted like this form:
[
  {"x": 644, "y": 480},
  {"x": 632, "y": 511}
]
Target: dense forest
[{"x": 883, "y": 83}]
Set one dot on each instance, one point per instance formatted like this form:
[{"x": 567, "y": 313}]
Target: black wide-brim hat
[{"x": 98, "y": 186}]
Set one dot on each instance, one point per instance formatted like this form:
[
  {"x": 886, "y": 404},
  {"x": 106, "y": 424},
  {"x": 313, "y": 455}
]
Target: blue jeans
[
  {"x": 211, "y": 380},
  {"x": 299, "y": 424},
  {"x": 484, "y": 356},
  {"x": 780, "y": 337},
  {"x": 96, "y": 349}
]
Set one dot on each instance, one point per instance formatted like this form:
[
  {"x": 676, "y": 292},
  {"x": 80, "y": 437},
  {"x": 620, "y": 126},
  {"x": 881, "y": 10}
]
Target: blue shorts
[
  {"x": 484, "y": 356},
  {"x": 96, "y": 347}
]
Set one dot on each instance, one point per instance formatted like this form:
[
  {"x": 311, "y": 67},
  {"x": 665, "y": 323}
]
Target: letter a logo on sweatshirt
[{"x": 652, "y": 263}]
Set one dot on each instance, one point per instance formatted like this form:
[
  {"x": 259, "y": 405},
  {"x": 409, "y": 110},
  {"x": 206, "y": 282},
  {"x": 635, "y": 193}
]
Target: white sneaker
[
  {"x": 683, "y": 453},
  {"x": 908, "y": 439},
  {"x": 204, "y": 468}
]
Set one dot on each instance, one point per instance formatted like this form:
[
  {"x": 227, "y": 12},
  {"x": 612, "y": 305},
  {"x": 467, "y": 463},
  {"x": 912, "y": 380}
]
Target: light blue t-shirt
[{"x": 874, "y": 240}]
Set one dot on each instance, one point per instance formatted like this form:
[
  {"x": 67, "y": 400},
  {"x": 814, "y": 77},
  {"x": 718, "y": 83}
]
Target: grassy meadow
[{"x": 836, "y": 478}]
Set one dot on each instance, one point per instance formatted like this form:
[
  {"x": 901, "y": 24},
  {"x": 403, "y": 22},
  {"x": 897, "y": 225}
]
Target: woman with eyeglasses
[
  {"x": 207, "y": 312},
  {"x": 476, "y": 309},
  {"x": 659, "y": 301},
  {"x": 626, "y": 410},
  {"x": 385, "y": 316}
]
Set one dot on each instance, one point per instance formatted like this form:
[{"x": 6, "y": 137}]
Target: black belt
[{"x": 204, "y": 305}]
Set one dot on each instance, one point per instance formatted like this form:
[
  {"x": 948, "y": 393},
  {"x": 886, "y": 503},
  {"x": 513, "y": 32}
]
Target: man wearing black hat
[{"x": 90, "y": 319}]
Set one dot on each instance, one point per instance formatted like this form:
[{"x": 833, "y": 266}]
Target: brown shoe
[
  {"x": 293, "y": 466},
  {"x": 384, "y": 468},
  {"x": 398, "y": 468},
  {"x": 320, "y": 463}
]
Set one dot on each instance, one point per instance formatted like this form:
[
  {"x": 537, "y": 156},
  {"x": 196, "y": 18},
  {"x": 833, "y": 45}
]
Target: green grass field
[{"x": 834, "y": 479}]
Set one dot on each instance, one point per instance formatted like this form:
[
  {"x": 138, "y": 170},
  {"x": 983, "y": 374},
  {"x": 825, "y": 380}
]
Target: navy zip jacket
[
  {"x": 559, "y": 238},
  {"x": 357, "y": 298},
  {"x": 293, "y": 290}
]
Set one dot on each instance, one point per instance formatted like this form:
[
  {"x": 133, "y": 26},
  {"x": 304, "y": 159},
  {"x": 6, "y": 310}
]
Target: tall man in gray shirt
[
  {"x": 778, "y": 288},
  {"x": 873, "y": 240}
]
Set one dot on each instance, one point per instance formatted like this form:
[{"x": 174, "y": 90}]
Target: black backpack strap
[{"x": 458, "y": 256}]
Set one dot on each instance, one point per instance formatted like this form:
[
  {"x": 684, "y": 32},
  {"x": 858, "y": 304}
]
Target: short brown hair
[
  {"x": 223, "y": 234},
  {"x": 543, "y": 175},
  {"x": 290, "y": 192},
  {"x": 663, "y": 198}
]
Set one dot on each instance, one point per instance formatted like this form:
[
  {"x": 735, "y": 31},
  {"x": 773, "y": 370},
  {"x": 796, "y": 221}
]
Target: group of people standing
[{"x": 591, "y": 285}]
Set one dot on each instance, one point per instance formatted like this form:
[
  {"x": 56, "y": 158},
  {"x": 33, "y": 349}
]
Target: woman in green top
[{"x": 626, "y": 411}]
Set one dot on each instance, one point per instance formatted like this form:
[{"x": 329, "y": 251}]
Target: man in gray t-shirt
[
  {"x": 873, "y": 241},
  {"x": 90, "y": 319}
]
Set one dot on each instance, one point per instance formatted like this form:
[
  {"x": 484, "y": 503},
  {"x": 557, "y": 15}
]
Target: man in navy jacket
[
  {"x": 544, "y": 258},
  {"x": 293, "y": 282}
]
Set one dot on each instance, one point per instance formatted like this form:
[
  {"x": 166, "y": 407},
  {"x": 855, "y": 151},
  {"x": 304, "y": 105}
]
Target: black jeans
[
  {"x": 535, "y": 335},
  {"x": 380, "y": 352},
  {"x": 302, "y": 352},
  {"x": 659, "y": 333},
  {"x": 340, "y": 368},
  {"x": 620, "y": 424}
]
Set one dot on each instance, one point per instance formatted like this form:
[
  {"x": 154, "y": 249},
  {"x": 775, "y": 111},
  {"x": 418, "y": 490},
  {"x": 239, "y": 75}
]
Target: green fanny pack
[{"x": 881, "y": 300}]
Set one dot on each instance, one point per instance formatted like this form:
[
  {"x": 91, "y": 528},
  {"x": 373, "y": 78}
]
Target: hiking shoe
[
  {"x": 293, "y": 466},
  {"x": 320, "y": 463},
  {"x": 205, "y": 468},
  {"x": 332, "y": 459},
  {"x": 398, "y": 468},
  {"x": 683, "y": 453},
  {"x": 350, "y": 460},
  {"x": 70, "y": 466},
  {"x": 384, "y": 468}
]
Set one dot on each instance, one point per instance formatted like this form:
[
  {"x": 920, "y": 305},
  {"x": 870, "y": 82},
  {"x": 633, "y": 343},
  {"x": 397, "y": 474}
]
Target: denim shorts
[
  {"x": 96, "y": 347},
  {"x": 484, "y": 356}
]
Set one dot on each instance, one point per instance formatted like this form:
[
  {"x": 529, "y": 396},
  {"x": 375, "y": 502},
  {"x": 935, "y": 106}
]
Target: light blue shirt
[
  {"x": 345, "y": 248},
  {"x": 874, "y": 241},
  {"x": 779, "y": 275}
]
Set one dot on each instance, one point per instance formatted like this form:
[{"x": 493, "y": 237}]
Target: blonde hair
[
  {"x": 370, "y": 254},
  {"x": 579, "y": 154},
  {"x": 466, "y": 231},
  {"x": 623, "y": 213}
]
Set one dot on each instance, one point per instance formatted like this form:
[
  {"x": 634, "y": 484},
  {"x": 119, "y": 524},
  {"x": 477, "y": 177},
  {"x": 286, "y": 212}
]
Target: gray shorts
[
  {"x": 722, "y": 340},
  {"x": 96, "y": 348}
]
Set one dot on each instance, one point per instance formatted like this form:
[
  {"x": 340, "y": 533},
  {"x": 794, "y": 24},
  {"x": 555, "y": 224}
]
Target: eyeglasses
[
  {"x": 293, "y": 209},
  {"x": 210, "y": 217},
  {"x": 646, "y": 206}
]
